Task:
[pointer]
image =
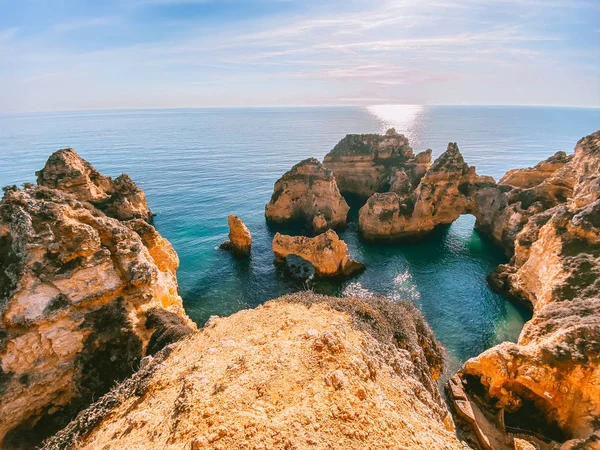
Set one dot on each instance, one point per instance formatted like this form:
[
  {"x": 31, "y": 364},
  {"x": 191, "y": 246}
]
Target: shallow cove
[{"x": 199, "y": 165}]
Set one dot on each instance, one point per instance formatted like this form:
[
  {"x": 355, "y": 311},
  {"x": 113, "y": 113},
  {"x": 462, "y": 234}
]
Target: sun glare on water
[{"x": 405, "y": 118}]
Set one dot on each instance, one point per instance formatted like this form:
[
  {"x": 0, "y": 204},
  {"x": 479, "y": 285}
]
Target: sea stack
[
  {"x": 364, "y": 164},
  {"x": 240, "y": 239},
  {"x": 308, "y": 194},
  {"x": 441, "y": 196}
]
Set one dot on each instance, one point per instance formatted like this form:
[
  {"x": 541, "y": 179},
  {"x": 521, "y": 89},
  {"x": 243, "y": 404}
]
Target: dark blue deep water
[{"x": 199, "y": 165}]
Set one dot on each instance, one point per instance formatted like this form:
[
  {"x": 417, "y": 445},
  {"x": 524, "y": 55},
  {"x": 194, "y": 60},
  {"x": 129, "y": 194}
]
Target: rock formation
[
  {"x": 528, "y": 178},
  {"x": 302, "y": 372},
  {"x": 307, "y": 194},
  {"x": 326, "y": 252},
  {"x": 83, "y": 296},
  {"x": 368, "y": 163},
  {"x": 551, "y": 375},
  {"x": 441, "y": 196},
  {"x": 240, "y": 239},
  {"x": 547, "y": 218},
  {"x": 120, "y": 198}
]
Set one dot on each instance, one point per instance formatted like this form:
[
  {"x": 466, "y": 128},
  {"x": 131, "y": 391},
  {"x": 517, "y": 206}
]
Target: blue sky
[{"x": 83, "y": 54}]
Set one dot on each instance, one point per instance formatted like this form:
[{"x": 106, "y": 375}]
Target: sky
[{"x": 89, "y": 54}]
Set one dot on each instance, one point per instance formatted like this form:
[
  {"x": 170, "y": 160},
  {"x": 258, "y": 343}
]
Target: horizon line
[{"x": 333, "y": 105}]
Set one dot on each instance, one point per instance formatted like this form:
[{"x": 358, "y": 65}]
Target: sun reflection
[{"x": 404, "y": 118}]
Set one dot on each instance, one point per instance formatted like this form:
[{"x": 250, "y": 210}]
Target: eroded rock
[
  {"x": 368, "y": 163},
  {"x": 326, "y": 252},
  {"x": 548, "y": 380},
  {"x": 77, "y": 288},
  {"x": 442, "y": 195},
  {"x": 119, "y": 198},
  {"x": 240, "y": 239},
  {"x": 308, "y": 194}
]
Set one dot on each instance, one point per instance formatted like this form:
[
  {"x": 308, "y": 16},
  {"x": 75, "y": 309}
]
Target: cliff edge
[{"x": 301, "y": 372}]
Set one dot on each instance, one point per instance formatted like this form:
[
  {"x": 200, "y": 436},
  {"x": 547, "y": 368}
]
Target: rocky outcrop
[
  {"x": 368, "y": 163},
  {"x": 83, "y": 297},
  {"x": 548, "y": 381},
  {"x": 120, "y": 198},
  {"x": 528, "y": 178},
  {"x": 442, "y": 195},
  {"x": 302, "y": 372},
  {"x": 326, "y": 252},
  {"x": 307, "y": 194},
  {"x": 240, "y": 239}
]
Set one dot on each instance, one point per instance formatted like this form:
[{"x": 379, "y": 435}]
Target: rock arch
[{"x": 326, "y": 252}]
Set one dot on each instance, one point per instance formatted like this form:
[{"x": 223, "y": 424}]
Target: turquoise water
[{"x": 199, "y": 165}]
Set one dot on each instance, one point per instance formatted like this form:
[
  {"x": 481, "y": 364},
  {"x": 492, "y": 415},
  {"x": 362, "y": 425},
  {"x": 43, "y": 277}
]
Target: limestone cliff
[
  {"x": 304, "y": 372},
  {"x": 308, "y": 194},
  {"x": 83, "y": 296},
  {"x": 552, "y": 374},
  {"x": 326, "y": 252},
  {"x": 368, "y": 163}
]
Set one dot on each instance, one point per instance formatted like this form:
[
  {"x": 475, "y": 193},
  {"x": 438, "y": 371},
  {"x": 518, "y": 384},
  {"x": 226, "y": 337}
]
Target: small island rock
[{"x": 240, "y": 238}]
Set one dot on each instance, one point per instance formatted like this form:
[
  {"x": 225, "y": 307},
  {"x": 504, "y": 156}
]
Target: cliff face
[
  {"x": 369, "y": 163},
  {"x": 308, "y": 194},
  {"x": 83, "y": 296},
  {"x": 304, "y": 372},
  {"x": 553, "y": 372}
]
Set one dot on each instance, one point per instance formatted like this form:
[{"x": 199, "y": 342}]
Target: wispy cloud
[{"x": 404, "y": 50}]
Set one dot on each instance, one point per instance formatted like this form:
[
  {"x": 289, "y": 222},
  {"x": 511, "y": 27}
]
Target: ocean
[{"x": 199, "y": 165}]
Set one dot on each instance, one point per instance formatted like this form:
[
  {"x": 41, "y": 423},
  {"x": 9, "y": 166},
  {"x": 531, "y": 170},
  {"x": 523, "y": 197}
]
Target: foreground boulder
[
  {"x": 120, "y": 198},
  {"x": 303, "y": 372},
  {"x": 83, "y": 297},
  {"x": 326, "y": 252},
  {"x": 364, "y": 164},
  {"x": 240, "y": 239},
  {"x": 307, "y": 194}
]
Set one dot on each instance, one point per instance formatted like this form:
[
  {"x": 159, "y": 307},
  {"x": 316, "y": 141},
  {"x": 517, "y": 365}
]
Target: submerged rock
[
  {"x": 120, "y": 198},
  {"x": 364, "y": 164},
  {"x": 240, "y": 239},
  {"x": 326, "y": 252},
  {"x": 308, "y": 194},
  {"x": 305, "y": 371},
  {"x": 83, "y": 297}
]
